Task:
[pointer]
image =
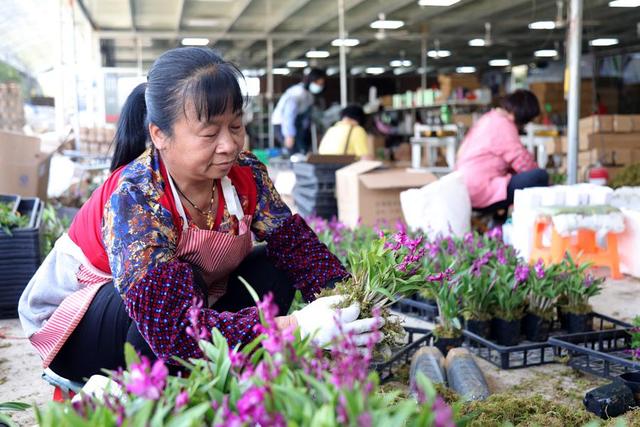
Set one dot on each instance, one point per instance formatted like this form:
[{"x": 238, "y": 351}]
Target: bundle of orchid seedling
[{"x": 277, "y": 380}]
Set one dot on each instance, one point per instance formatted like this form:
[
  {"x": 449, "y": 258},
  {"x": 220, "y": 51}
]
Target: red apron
[{"x": 215, "y": 254}]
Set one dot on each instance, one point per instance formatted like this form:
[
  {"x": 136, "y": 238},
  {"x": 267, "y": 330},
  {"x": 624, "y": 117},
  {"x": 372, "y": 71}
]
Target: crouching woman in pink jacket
[{"x": 493, "y": 160}]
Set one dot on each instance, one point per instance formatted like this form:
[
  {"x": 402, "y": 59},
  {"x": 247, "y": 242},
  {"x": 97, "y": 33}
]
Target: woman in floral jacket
[{"x": 174, "y": 224}]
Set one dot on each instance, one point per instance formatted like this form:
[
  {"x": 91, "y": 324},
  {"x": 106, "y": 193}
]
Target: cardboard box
[
  {"x": 555, "y": 145},
  {"x": 606, "y": 156},
  {"x": 369, "y": 193},
  {"x": 606, "y": 140},
  {"x": 24, "y": 169},
  {"x": 596, "y": 124},
  {"x": 626, "y": 123}
]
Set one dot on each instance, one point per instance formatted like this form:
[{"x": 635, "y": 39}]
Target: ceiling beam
[
  {"x": 87, "y": 15},
  {"x": 180, "y": 14},
  {"x": 132, "y": 14},
  {"x": 285, "y": 14},
  {"x": 241, "y": 6}
]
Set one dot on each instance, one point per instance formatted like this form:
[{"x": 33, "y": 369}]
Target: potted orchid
[
  {"x": 445, "y": 288},
  {"x": 476, "y": 285},
  {"x": 277, "y": 380},
  {"x": 578, "y": 286},
  {"x": 510, "y": 296},
  {"x": 544, "y": 291}
]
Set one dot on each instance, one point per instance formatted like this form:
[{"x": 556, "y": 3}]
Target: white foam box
[{"x": 629, "y": 243}]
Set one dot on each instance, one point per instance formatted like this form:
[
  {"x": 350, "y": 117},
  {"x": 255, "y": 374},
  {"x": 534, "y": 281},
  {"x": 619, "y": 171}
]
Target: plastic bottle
[
  {"x": 464, "y": 375},
  {"x": 429, "y": 361}
]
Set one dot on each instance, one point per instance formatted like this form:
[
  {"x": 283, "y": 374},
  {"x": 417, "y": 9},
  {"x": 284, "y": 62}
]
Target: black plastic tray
[
  {"x": 527, "y": 353},
  {"x": 417, "y": 308},
  {"x": 402, "y": 356},
  {"x": 314, "y": 185},
  {"x": 600, "y": 353}
]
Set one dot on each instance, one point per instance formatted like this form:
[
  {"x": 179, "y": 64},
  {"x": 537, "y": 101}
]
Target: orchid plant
[
  {"x": 578, "y": 286},
  {"x": 635, "y": 339},
  {"x": 544, "y": 290},
  {"x": 382, "y": 272},
  {"x": 510, "y": 291},
  {"x": 445, "y": 287},
  {"x": 279, "y": 379}
]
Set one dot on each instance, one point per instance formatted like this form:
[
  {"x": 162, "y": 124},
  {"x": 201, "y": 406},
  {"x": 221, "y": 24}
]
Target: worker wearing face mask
[{"x": 292, "y": 115}]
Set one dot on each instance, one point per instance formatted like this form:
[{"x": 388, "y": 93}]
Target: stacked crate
[
  {"x": 552, "y": 93},
  {"x": 11, "y": 107},
  {"x": 314, "y": 192},
  {"x": 97, "y": 140},
  {"x": 19, "y": 256}
]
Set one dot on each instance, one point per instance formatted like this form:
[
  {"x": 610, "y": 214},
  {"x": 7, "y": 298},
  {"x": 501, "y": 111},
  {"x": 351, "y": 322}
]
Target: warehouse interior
[{"x": 464, "y": 172}]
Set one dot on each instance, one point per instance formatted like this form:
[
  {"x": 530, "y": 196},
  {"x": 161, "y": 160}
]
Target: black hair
[
  {"x": 355, "y": 112},
  {"x": 178, "y": 79},
  {"x": 313, "y": 75},
  {"x": 523, "y": 104}
]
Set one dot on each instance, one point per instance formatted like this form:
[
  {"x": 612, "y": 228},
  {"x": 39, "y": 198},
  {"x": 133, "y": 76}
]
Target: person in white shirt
[{"x": 292, "y": 115}]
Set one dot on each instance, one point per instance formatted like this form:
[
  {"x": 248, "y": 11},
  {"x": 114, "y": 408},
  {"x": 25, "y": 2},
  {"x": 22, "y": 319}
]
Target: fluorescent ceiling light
[
  {"x": 437, "y": 2},
  {"x": 401, "y": 70},
  {"x": 604, "y": 42},
  {"x": 542, "y": 25},
  {"x": 345, "y": 42},
  {"x": 499, "y": 62},
  {"x": 332, "y": 71},
  {"x": 253, "y": 72},
  {"x": 194, "y": 41},
  {"x": 317, "y": 54},
  {"x": 477, "y": 42},
  {"x": 202, "y": 22},
  {"x": 465, "y": 70},
  {"x": 297, "y": 64},
  {"x": 356, "y": 70},
  {"x": 400, "y": 63},
  {"x": 281, "y": 71},
  {"x": 546, "y": 53},
  {"x": 624, "y": 3},
  {"x": 386, "y": 24},
  {"x": 374, "y": 70},
  {"x": 438, "y": 53}
]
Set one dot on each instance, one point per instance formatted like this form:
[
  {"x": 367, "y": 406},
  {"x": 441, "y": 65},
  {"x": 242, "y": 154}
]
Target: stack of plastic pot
[
  {"x": 19, "y": 254},
  {"x": 314, "y": 192}
]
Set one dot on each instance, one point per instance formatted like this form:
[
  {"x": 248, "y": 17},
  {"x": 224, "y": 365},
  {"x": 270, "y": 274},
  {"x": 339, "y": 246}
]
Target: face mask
[{"x": 315, "y": 88}]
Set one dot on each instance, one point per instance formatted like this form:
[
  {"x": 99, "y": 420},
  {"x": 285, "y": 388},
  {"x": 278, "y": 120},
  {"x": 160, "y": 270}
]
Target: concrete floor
[{"x": 20, "y": 366}]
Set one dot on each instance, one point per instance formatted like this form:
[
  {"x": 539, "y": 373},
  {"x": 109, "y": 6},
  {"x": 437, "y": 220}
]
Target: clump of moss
[
  {"x": 630, "y": 419},
  {"x": 501, "y": 409},
  {"x": 447, "y": 394}
]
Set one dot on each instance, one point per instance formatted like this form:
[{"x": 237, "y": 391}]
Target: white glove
[
  {"x": 325, "y": 322},
  {"x": 98, "y": 386}
]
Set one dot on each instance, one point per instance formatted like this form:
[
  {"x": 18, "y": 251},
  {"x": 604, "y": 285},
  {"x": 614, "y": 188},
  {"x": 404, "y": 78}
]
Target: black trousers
[
  {"x": 98, "y": 341},
  {"x": 532, "y": 178}
]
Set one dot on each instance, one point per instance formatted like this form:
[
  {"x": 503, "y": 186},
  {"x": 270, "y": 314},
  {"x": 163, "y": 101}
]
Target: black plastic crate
[
  {"x": 415, "y": 308},
  {"x": 322, "y": 212},
  {"x": 11, "y": 199},
  {"x": 600, "y": 353},
  {"x": 328, "y": 201},
  {"x": 527, "y": 353},
  {"x": 314, "y": 185},
  {"x": 414, "y": 339},
  {"x": 318, "y": 172},
  {"x": 9, "y": 312}
]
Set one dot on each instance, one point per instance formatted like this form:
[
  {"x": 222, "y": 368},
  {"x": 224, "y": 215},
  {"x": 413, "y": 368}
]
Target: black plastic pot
[
  {"x": 562, "y": 317},
  {"x": 577, "y": 323},
  {"x": 446, "y": 344},
  {"x": 479, "y": 327},
  {"x": 609, "y": 400},
  {"x": 506, "y": 332},
  {"x": 536, "y": 328},
  {"x": 632, "y": 380}
]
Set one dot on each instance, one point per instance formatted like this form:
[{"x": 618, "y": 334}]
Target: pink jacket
[{"x": 490, "y": 154}]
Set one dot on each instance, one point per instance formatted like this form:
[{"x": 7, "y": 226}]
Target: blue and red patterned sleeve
[
  {"x": 160, "y": 305},
  {"x": 295, "y": 249}
]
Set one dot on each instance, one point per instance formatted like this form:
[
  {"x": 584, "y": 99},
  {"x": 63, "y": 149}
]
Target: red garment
[{"x": 86, "y": 228}]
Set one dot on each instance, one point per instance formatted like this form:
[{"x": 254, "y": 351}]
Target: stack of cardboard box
[
  {"x": 11, "y": 107},
  {"x": 449, "y": 83},
  {"x": 552, "y": 93},
  {"x": 97, "y": 140}
]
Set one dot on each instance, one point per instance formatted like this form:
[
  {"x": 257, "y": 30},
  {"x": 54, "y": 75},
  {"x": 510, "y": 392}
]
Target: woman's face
[{"x": 202, "y": 151}]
